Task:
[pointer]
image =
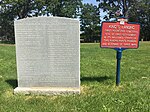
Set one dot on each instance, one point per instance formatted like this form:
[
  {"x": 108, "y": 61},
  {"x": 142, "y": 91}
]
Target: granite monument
[{"x": 48, "y": 55}]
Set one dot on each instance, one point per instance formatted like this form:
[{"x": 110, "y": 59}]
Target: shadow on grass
[
  {"x": 13, "y": 83},
  {"x": 98, "y": 79}
]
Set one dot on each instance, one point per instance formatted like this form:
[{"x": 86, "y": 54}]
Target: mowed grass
[{"x": 98, "y": 90}]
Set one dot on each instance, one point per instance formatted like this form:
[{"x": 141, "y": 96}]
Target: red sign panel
[{"x": 118, "y": 35}]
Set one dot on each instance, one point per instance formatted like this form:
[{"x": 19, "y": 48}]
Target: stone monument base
[{"x": 45, "y": 90}]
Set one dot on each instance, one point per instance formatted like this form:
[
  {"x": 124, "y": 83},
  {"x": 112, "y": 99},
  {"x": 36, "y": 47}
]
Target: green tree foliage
[
  {"x": 90, "y": 22},
  {"x": 19, "y": 9},
  {"x": 6, "y": 22},
  {"x": 16, "y": 9},
  {"x": 114, "y": 7},
  {"x": 134, "y": 10},
  {"x": 63, "y": 8},
  {"x": 140, "y": 12}
]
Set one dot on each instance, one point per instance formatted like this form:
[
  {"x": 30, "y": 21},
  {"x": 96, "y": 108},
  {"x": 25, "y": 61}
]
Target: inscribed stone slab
[{"x": 47, "y": 51}]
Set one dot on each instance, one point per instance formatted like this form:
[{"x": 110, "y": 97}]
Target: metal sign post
[
  {"x": 119, "y": 36},
  {"x": 118, "y": 57},
  {"x": 119, "y": 54}
]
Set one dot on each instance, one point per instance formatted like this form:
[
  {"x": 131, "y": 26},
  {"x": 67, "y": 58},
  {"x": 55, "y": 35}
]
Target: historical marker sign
[{"x": 120, "y": 35}]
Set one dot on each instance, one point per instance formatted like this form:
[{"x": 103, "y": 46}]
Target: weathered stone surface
[
  {"x": 46, "y": 91},
  {"x": 47, "y": 51}
]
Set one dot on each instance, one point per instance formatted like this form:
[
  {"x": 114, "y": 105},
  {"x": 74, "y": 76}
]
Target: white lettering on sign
[
  {"x": 113, "y": 26},
  {"x": 123, "y": 27},
  {"x": 128, "y": 27}
]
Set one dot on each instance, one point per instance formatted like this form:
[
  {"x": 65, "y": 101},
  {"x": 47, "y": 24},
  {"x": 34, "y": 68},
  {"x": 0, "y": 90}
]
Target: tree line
[{"x": 88, "y": 14}]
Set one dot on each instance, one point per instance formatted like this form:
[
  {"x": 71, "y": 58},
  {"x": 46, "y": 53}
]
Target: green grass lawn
[{"x": 98, "y": 90}]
